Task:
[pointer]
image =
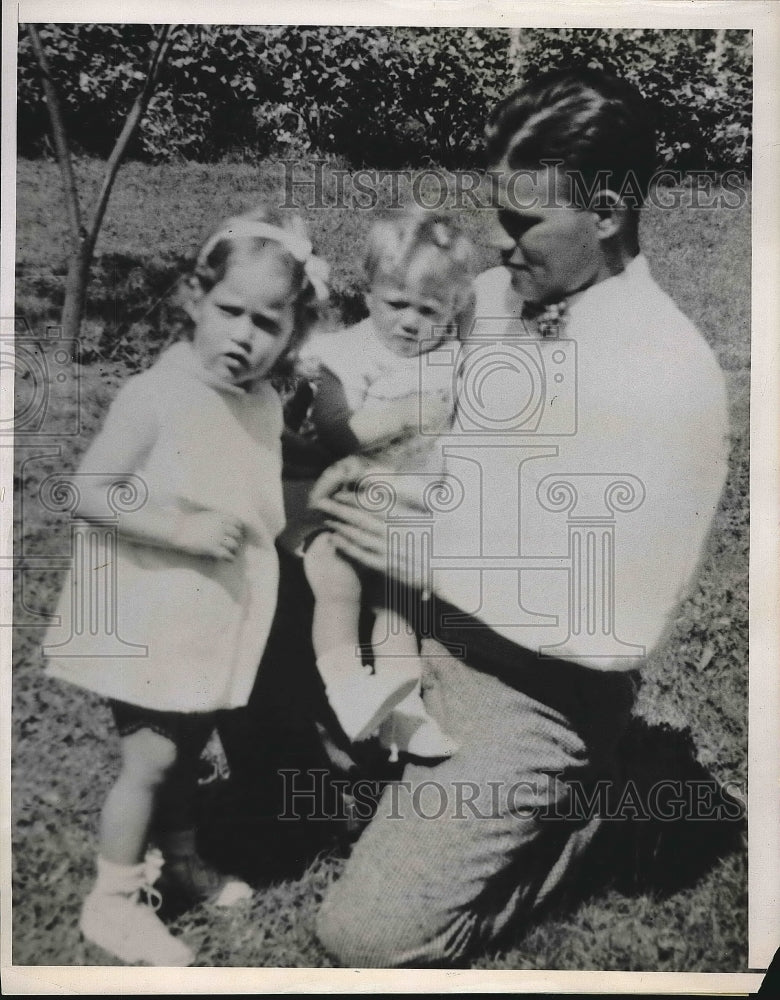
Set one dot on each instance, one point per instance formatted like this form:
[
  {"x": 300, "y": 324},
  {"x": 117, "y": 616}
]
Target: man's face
[{"x": 551, "y": 247}]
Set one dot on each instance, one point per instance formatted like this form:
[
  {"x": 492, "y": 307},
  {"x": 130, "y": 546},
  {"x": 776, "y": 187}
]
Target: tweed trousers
[{"x": 460, "y": 851}]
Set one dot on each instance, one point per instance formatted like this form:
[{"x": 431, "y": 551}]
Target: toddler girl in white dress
[{"x": 197, "y": 569}]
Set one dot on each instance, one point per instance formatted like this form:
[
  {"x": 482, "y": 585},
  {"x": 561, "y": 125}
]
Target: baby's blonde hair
[{"x": 394, "y": 243}]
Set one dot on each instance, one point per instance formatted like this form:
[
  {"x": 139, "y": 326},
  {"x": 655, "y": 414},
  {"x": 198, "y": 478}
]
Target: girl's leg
[
  {"x": 360, "y": 699},
  {"x": 115, "y": 916},
  {"x": 175, "y": 805},
  {"x": 147, "y": 758}
]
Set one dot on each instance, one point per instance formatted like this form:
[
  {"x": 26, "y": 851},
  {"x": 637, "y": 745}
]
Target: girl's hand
[{"x": 208, "y": 533}]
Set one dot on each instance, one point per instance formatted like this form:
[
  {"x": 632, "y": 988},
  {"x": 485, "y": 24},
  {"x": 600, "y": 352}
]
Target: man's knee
[
  {"x": 389, "y": 937},
  {"x": 356, "y": 944}
]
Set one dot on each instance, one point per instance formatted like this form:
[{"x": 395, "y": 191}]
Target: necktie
[{"x": 550, "y": 318}]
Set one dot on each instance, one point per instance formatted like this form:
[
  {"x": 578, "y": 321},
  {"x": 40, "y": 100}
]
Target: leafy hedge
[{"x": 379, "y": 96}]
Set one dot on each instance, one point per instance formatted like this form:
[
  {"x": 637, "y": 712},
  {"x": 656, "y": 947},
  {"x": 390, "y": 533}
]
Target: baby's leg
[
  {"x": 336, "y": 587},
  {"x": 394, "y": 642},
  {"x": 359, "y": 699},
  {"x": 409, "y": 727}
]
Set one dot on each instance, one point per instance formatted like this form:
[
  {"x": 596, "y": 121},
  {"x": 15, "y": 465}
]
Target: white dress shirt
[{"x": 585, "y": 471}]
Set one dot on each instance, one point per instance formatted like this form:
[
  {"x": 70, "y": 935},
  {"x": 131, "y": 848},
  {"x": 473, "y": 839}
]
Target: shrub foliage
[{"x": 373, "y": 96}]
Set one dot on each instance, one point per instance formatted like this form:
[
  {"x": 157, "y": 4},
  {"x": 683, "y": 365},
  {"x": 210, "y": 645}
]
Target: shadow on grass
[{"x": 670, "y": 820}]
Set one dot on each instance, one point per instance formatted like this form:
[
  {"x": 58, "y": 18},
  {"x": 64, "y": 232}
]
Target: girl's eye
[
  {"x": 230, "y": 310},
  {"x": 428, "y": 312},
  {"x": 396, "y": 303}
]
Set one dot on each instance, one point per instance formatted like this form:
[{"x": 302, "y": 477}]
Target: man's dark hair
[{"x": 596, "y": 124}]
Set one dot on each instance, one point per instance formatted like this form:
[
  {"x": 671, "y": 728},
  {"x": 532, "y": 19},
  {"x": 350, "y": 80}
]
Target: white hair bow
[{"x": 294, "y": 240}]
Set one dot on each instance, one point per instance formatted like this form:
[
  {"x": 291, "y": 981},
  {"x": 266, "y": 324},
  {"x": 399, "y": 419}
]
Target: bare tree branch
[
  {"x": 136, "y": 113},
  {"x": 83, "y": 243},
  {"x": 60, "y": 138}
]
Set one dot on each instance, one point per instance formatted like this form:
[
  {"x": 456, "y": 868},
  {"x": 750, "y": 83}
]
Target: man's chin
[{"x": 521, "y": 284}]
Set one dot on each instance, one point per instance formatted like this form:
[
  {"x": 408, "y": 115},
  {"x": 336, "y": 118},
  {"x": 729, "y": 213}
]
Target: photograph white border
[{"x": 764, "y": 719}]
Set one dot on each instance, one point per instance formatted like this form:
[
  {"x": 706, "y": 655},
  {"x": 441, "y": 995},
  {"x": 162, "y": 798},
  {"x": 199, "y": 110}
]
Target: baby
[{"x": 369, "y": 401}]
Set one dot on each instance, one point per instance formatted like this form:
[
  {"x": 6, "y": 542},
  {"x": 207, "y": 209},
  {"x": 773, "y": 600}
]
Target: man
[{"x": 588, "y": 455}]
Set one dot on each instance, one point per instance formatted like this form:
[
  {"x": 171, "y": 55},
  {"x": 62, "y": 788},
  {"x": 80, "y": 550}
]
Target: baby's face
[{"x": 414, "y": 315}]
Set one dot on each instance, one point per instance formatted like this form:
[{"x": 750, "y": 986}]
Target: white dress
[{"x": 196, "y": 627}]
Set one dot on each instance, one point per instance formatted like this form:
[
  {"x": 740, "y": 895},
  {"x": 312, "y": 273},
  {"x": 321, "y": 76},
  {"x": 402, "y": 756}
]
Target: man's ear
[
  {"x": 191, "y": 297},
  {"x": 611, "y": 213}
]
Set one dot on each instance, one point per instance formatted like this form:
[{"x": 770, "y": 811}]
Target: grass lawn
[{"x": 669, "y": 899}]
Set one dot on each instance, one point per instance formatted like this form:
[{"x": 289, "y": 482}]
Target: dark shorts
[{"x": 183, "y": 729}]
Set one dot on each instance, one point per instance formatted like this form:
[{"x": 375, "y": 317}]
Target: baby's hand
[
  {"x": 435, "y": 408},
  {"x": 209, "y": 533}
]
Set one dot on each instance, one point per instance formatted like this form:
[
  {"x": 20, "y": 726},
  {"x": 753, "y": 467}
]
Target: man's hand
[
  {"x": 349, "y": 470},
  {"x": 362, "y": 535}
]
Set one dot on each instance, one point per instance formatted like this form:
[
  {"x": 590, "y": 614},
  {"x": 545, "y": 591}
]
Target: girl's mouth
[{"x": 237, "y": 362}]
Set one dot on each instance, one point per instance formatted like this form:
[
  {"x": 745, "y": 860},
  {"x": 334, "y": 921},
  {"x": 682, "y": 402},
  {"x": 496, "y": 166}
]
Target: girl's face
[
  {"x": 414, "y": 315},
  {"x": 245, "y": 323}
]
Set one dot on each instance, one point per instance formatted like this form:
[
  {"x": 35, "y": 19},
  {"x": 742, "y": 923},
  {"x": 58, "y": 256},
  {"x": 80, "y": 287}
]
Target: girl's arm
[{"x": 118, "y": 452}]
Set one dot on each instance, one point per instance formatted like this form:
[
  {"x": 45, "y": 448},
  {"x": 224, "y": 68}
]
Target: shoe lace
[
  {"x": 393, "y": 743},
  {"x": 151, "y": 867}
]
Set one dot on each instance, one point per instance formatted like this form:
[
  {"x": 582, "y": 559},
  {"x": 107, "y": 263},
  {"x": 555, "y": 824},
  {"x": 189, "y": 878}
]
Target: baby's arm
[
  {"x": 347, "y": 431},
  {"x": 118, "y": 451}
]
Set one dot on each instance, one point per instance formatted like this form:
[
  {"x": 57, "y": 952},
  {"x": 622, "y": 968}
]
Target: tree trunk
[
  {"x": 83, "y": 241},
  {"x": 76, "y": 291}
]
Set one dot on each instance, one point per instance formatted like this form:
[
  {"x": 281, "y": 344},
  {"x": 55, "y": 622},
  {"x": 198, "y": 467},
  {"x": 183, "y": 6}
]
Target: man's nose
[{"x": 499, "y": 238}]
